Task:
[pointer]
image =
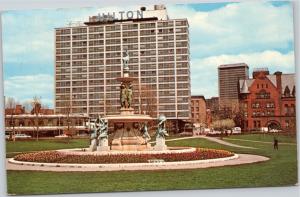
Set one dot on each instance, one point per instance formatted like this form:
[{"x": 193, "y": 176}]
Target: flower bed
[{"x": 58, "y": 157}]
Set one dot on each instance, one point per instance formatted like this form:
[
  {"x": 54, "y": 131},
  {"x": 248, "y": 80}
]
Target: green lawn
[
  {"x": 266, "y": 137},
  {"x": 280, "y": 170},
  {"x": 13, "y": 148}
]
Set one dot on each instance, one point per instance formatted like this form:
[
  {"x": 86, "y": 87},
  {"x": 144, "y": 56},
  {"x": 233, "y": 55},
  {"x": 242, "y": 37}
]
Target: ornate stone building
[{"x": 268, "y": 100}]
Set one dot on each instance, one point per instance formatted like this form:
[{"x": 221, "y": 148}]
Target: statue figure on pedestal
[
  {"x": 126, "y": 61},
  {"x": 123, "y": 95},
  {"x": 161, "y": 131},
  {"x": 161, "y": 134},
  {"x": 145, "y": 133},
  {"x": 129, "y": 95},
  {"x": 94, "y": 135},
  {"x": 103, "y": 135},
  {"x": 103, "y": 129}
]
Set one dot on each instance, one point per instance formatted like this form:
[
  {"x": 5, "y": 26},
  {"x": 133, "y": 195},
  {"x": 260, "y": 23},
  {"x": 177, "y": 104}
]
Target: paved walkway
[
  {"x": 213, "y": 139},
  {"x": 263, "y": 142},
  {"x": 217, "y": 140},
  {"x": 242, "y": 159}
]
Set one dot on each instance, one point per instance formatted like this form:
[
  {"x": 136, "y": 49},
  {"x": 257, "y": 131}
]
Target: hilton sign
[{"x": 121, "y": 15}]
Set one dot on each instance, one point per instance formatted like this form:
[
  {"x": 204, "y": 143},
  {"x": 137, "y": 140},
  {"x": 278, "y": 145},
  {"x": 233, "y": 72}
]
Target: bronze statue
[{"x": 161, "y": 131}]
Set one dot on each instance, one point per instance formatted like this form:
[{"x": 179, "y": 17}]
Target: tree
[
  {"x": 223, "y": 124},
  {"x": 148, "y": 103},
  {"x": 36, "y": 109},
  {"x": 27, "y": 105},
  {"x": 10, "y": 105}
]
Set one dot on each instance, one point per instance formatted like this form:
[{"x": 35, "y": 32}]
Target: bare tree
[
  {"x": 148, "y": 103},
  {"x": 27, "y": 105},
  {"x": 36, "y": 109},
  {"x": 10, "y": 105}
]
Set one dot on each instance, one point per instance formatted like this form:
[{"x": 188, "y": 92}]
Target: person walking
[{"x": 275, "y": 143}]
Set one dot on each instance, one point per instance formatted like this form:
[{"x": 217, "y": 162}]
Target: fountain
[{"x": 127, "y": 135}]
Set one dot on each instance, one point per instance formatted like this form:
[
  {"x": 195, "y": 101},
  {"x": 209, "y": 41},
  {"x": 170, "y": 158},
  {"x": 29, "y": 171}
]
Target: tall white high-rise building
[{"x": 88, "y": 59}]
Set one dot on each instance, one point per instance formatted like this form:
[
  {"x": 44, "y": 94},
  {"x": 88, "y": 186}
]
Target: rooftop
[{"x": 224, "y": 66}]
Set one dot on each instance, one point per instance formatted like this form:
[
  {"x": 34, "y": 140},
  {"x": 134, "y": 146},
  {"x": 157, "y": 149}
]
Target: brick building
[
  {"x": 198, "y": 109},
  {"x": 268, "y": 101}
]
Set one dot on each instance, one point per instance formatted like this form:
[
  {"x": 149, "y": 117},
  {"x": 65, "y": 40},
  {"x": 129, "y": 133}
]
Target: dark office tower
[{"x": 229, "y": 75}]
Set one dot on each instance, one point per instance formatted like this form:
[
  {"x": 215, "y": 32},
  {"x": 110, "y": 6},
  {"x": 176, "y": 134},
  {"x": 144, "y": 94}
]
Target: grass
[
  {"x": 266, "y": 137},
  {"x": 14, "y": 148},
  {"x": 280, "y": 170}
]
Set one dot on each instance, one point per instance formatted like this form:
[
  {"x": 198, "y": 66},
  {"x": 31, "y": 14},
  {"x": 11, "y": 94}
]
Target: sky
[{"x": 259, "y": 34}]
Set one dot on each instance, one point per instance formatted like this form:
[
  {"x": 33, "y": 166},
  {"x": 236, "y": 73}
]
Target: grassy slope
[{"x": 279, "y": 171}]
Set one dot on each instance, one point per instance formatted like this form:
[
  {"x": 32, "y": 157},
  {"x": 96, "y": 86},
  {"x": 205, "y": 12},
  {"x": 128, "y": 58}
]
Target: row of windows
[
  {"x": 259, "y": 105},
  {"x": 83, "y": 36},
  {"x": 77, "y": 30},
  {"x": 115, "y": 41}
]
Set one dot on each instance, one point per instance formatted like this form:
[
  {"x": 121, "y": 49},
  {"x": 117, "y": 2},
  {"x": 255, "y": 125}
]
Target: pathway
[
  {"x": 217, "y": 140},
  {"x": 263, "y": 142},
  {"x": 213, "y": 139}
]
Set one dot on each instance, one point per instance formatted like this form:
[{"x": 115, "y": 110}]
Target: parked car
[
  {"x": 264, "y": 129},
  {"x": 274, "y": 131},
  {"x": 206, "y": 130},
  {"x": 62, "y": 136},
  {"x": 22, "y": 136},
  {"x": 236, "y": 130},
  {"x": 213, "y": 132}
]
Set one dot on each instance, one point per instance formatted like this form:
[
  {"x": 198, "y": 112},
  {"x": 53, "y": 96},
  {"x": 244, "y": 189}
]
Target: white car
[
  {"x": 274, "y": 131},
  {"x": 213, "y": 132},
  {"x": 61, "y": 136},
  {"x": 264, "y": 129},
  {"x": 22, "y": 136},
  {"x": 236, "y": 130}
]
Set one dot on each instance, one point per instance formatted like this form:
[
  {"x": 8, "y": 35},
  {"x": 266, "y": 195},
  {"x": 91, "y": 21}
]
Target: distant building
[
  {"x": 50, "y": 124},
  {"x": 198, "y": 109},
  {"x": 229, "y": 76},
  {"x": 268, "y": 100},
  {"x": 212, "y": 104},
  {"x": 19, "y": 109}
]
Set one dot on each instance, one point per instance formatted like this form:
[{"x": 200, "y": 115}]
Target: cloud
[
  {"x": 257, "y": 33},
  {"x": 24, "y": 88},
  {"x": 238, "y": 28},
  {"x": 204, "y": 71}
]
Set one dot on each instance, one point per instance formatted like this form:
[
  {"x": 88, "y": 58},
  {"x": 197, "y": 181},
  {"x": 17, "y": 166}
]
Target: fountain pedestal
[
  {"x": 93, "y": 145},
  {"x": 127, "y": 135},
  {"x": 103, "y": 145},
  {"x": 160, "y": 144}
]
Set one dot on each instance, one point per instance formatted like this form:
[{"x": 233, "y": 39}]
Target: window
[
  {"x": 286, "y": 109},
  {"x": 263, "y": 95},
  {"x": 287, "y": 124},
  {"x": 255, "y": 105}
]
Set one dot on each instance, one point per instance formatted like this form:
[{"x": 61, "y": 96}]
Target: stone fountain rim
[{"x": 171, "y": 150}]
